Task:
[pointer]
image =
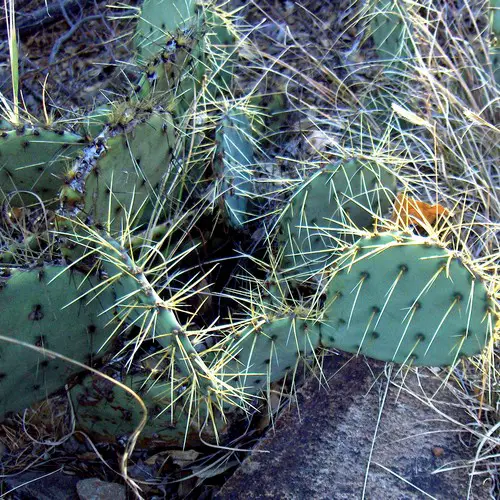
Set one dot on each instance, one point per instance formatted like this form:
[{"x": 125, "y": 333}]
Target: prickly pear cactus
[
  {"x": 186, "y": 49},
  {"x": 122, "y": 170},
  {"x": 54, "y": 308},
  {"x": 93, "y": 123},
  {"x": 34, "y": 159},
  {"x": 321, "y": 212},
  {"x": 403, "y": 298},
  {"x": 109, "y": 413},
  {"x": 234, "y": 167},
  {"x": 220, "y": 45},
  {"x": 495, "y": 33},
  {"x": 266, "y": 351},
  {"x": 170, "y": 47},
  {"x": 161, "y": 19},
  {"x": 389, "y": 27},
  {"x": 391, "y": 296}
]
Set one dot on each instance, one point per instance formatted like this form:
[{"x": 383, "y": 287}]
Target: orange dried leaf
[{"x": 411, "y": 211}]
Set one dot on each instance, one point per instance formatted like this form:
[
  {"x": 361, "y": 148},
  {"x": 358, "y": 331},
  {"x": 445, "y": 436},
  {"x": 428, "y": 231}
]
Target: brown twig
[{"x": 28, "y": 23}]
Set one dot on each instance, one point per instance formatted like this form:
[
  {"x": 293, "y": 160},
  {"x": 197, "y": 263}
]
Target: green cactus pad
[
  {"x": 170, "y": 46},
  {"x": 175, "y": 73},
  {"x": 139, "y": 304},
  {"x": 159, "y": 20},
  {"x": 34, "y": 312},
  {"x": 93, "y": 123},
  {"x": 121, "y": 173},
  {"x": 406, "y": 299},
  {"x": 390, "y": 33},
  {"x": 108, "y": 412},
  {"x": 234, "y": 166},
  {"x": 323, "y": 209},
  {"x": 260, "y": 355},
  {"x": 495, "y": 63},
  {"x": 35, "y": 159},
  {"x": 220, "y": 43},
  {"x": 181, "y": 45}
]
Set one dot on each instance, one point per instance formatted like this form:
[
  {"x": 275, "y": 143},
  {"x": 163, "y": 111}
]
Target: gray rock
[
  {"x": 95, "y": 489},
  {"x": 40, "y": 486},
  {"x": 324, "y": 452}
]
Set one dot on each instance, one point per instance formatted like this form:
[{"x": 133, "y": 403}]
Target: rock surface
[
  {"x": 324, "y": 452},
  {"x": 95, "y": 489},
  {"x": 40, "y": 486}
]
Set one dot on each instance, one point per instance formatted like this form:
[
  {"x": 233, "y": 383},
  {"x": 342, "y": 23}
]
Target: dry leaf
[
  {"x": 183, "y": 458},
  {"x": 411, "y": 211}
]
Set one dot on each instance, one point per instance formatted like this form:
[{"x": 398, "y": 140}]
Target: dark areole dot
[
  {"x": 36, "y": 313},
  {"x": 41, "y": 341}
]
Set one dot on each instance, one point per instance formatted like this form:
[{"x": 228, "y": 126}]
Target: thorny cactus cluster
[
  {"x": 104, "y": 226},
  {"x": 390, "y": 26}
]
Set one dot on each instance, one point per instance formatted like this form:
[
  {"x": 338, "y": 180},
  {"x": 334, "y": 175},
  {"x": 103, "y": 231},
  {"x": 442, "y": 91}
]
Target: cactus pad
[
  {"x": 159, "y": 20},
  {"x": 121, "y": 172},
  {"x": 34, "y": 312},
  {"x": 169, "y": 43},
  {"x": 265, "y": 354},
  {"x": 406, "y": 299},
  {"x": 390, "y": 32},
  {"x": 325, "y": 206},
  {"x": 108, "y": 412},
  {"x": 35, "y": 159},
  {"x": 234, "y": 165}
]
